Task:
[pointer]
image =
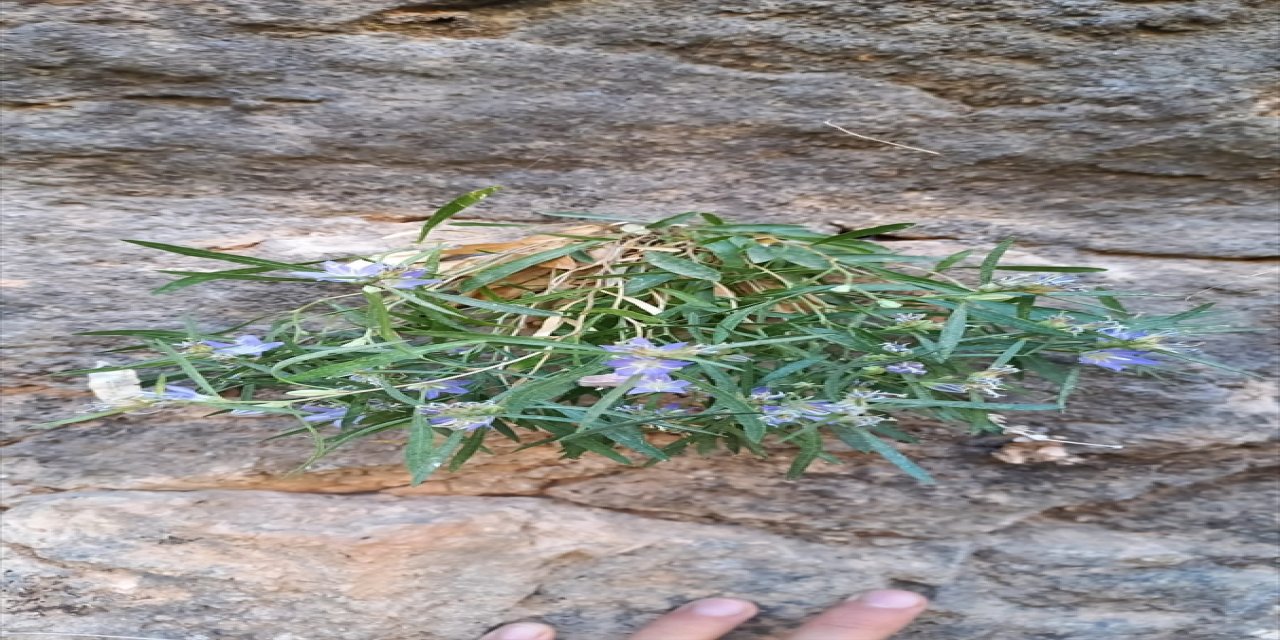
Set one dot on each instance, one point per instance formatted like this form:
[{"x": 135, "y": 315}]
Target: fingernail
[
  {"x": 719, "y": 607},
  {"x": 521, "y": 631},
  {"x": 888, "y": 599}
]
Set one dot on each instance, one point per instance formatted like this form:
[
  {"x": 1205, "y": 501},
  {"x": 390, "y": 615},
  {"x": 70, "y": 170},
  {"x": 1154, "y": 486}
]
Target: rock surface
[{"x": 1125, "y": 134}]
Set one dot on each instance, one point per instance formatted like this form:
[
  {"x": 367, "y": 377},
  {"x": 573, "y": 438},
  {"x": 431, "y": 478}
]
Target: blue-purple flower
[
  {"x": 643, "y": 346},
  {"x": 645, "y": 366},
  {"x": 662, "y": 384},
  {"x": 765, "y": 394},
  {"x": 410, "y": 279},
  {"x": 1035, "y": 284},
  {"x": 1117, "y": 359},
  {"x": 911, "y": 367},
  {"x": 895, "y": 347},
  {"x": 435, "y": 388},
  {"x": 354, "y": 271},
  {"x": 363, "y": 271},
  {"x": 1120, "y": 332},
  {"x": 653, "y": 363},
  {"x": 1139, "y": 340},
  {"x": 246, "y": 345},
  {"x": 175, "y": 393},
  {"x": 334, "y": 415},
  {"x": 461, "y": 416}
]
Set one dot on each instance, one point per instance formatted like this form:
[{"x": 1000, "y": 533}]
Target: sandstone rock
[{"x": 1119, "y": 127}]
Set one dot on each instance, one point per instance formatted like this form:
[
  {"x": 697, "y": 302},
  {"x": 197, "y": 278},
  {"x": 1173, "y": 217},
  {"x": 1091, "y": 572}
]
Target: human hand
[{"x": 875, "y": 615}]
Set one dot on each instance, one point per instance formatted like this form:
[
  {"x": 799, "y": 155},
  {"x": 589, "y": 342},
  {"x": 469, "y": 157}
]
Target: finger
[
  {"x": 521, "y": 631},
  {"x": 875, "y": 615},
  {"x": 699, "y": 620}
]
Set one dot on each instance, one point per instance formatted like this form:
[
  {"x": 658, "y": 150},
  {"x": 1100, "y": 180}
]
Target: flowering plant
[{"x": 625, "y": 339}]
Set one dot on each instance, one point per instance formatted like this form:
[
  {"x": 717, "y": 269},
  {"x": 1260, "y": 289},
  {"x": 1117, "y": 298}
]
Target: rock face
[{"x": 1125, "y": 134}]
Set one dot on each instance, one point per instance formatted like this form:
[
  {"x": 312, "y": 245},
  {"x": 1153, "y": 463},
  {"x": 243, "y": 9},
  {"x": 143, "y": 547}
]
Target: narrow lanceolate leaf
[
  {"x": 680, "y": 266},
  {"x": 900, "y": 461},
  {"x": 454, "y": 208},
  {"x": 869, "y": 231},
  {"x": 952, "y": 260},
  {"x": 502, "y": 270},
  {"x": 1068, "y": 385},
  {"x": 988, "y": 270},
  {"x": 952, "y": 331},
  {"x": 489, "y": 305},
  {"x": 423, "y": 457},
  {"x": 810, "y": 444},
  {"x": 214, "y": 255},
  {"x": 804, "y": 257}
]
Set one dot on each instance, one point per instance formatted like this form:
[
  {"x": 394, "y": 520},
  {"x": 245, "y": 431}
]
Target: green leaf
[
  {"x": 522, "y": 395},
  {"x": 810, "y": 444},
  {"x": 454, "y": 207},
  {"x": 1068, "y": 385},
  {"x": 186, "y": 367},
  {"x": 502, "y": 270},
  {"x": 900, "y": 461},
  {"x": 788, "y": 369},
  {"x": 672, "y": 220},
  {"x": 378, "y": 315},
  {"x": 760, "y": 254},
  {"x": 474, "y": 442},
  {"x": 988, "y": 269},
  {"x": 680, "y": 266},
  {"x": 952, "y": 260},
  {"x": 1010, "y": 353},
  {"x": 422, "y": 457},
  {"x": 214, "y": 255},
  {"x": 605, "y": 402},
  {"x": 803, "y": 257},
  {"x": 952, "y": 331},
  {"x": 641, "y": 282},
  {"x": 488, "y": 305},
  {"x": 869, "y": 231},
  {"x": 728, "y": 395}
]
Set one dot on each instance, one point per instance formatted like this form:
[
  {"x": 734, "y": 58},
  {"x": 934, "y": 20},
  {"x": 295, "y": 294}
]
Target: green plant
[{"x": 643, "y": 341}]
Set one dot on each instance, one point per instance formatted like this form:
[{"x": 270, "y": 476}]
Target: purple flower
[
  {"x": 630, "y": 346},
  {"x": 1116, "y": 359},
  {"x": 895, "y": 347},
  {"x": 436, "y": 388},
  {"x": 461, "y": 416},
  {"x": 411, "y": 279},
  {"x": 776, "y": 416},
  {"x": 643, "y": 366},
  {"x": 246, "y": 345},
  {"x": 644, "y": 346},
  {"x": 912, "y": 367},
  {"x": 333, "y": 415},
  {"x": 661, "y": 384},
  {"x": 764, "y": 394},
  {"x": 354, "y": 271},
  {"x": 176, "y": 393},
  {"x": 948, "y": 387},
  {"x": 1123, "y": 333}
]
